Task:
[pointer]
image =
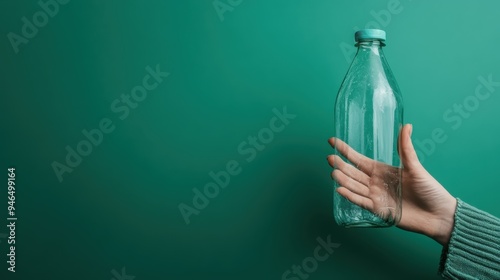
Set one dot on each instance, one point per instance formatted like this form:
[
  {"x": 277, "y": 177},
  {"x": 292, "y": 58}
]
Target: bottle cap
[{"x": 369, "y": 34}]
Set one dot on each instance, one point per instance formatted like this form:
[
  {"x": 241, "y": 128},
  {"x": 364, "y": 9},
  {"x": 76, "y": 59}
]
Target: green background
[{"x": 119, "y": 207}]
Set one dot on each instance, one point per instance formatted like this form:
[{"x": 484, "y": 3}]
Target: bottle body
[{"x": 368, "y": 117}]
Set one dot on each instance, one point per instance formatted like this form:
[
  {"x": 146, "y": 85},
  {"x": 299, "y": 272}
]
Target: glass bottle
[{"x": 369, "y": 118}]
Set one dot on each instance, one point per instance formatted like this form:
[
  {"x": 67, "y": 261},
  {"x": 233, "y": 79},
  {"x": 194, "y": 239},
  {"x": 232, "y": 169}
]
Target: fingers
[
  {"x": 349, "y": 170},
  {"x": 408, "y": 155},
  {"x": 356, "y": 198},
  {"x": 349, "y": 183},
  {"x": 362, "y": 162}
]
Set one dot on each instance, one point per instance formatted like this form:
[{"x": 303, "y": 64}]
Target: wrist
[{"x": 444, "y": 222}]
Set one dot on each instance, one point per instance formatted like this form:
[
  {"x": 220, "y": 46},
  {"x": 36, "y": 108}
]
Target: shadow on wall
[{"x": 308, "y": 213}]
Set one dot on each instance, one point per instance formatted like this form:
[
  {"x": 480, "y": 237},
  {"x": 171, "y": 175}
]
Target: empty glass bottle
[{"x": 369, "y": 117}]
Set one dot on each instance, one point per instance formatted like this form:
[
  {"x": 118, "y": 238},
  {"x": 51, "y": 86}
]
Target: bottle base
[{"x": 366, "y": 224}]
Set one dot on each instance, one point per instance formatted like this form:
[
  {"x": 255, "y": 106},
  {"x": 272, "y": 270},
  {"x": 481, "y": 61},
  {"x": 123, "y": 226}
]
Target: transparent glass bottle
[{"x": 369, "y": 117}]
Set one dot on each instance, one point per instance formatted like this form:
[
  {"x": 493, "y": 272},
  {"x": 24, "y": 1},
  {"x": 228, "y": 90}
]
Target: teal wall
[{"x": 229, "y": 73}]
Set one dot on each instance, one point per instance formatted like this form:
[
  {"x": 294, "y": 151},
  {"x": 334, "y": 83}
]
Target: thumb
[{"x": 408, "y": 154}]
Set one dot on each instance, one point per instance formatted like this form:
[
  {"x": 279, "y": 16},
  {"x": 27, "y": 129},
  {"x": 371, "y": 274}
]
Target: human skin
[{"x": 427, "y": 207}]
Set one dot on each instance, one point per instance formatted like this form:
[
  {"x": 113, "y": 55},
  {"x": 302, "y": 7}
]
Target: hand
[{"x": 427, "y": 207}]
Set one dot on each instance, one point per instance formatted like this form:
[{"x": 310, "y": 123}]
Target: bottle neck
[
  {"x": 370, "y": 50},
  {"x": 370, "y": 68},
  {"x": 370, "y": 60},
  {"x": 370, "y": 44}
]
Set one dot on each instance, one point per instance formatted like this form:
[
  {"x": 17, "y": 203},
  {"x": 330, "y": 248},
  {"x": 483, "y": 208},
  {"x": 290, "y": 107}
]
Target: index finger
[{"x": 362, "y": 162}]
